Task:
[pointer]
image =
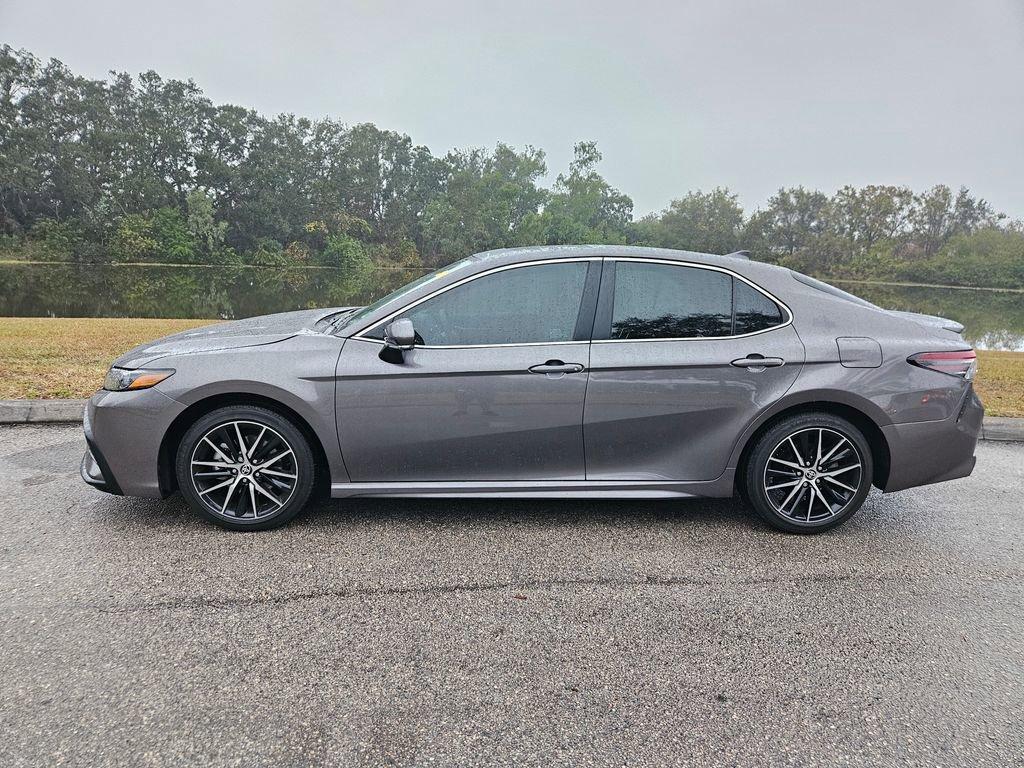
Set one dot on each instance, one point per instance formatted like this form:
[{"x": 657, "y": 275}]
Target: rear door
[
  {"x": 492, "y": 391},
  {"x": 684, "y": 357}
]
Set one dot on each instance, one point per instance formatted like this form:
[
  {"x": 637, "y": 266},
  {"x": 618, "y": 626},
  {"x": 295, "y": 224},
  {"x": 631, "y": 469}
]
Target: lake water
[
  {"x": 993, "y": 319},
  {"x": 69, "y": 290}
]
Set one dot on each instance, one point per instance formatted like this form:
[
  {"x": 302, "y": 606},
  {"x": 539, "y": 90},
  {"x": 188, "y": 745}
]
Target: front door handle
[
  {"x": 556, "y": 367},
  {"x": 758, "y": 362}
]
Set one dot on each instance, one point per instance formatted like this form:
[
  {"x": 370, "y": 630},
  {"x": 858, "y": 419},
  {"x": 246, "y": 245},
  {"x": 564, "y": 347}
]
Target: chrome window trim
[
  {"x": 482, "y": 346},
  {"x": 670, "y": 262},
  {"x": 468, "y": 279},
  {"x": 712, "y": 268}
]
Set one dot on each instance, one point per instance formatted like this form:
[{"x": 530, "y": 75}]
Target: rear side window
[
  {"x": 663, "y": 301},
  {"x": 525, "y": 305},
  {"x": 753, "y": 311},
  {"x": 656, "y": 301}
]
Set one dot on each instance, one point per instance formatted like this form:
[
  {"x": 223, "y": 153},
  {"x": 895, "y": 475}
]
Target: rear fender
[{"x": 807, "y": 400}]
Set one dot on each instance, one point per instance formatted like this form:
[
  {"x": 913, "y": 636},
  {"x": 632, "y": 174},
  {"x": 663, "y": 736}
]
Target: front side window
[
  {"x": 664, "y": 301},
  {"x": 437, "y": 274},
  {"x": 533, "y": 304}
]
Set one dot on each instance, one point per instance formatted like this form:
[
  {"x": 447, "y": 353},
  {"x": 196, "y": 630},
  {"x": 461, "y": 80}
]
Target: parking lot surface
[{"x": 406, "y": 632}]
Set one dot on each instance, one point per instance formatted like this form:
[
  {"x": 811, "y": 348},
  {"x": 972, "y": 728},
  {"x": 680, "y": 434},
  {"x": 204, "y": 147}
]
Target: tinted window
[
  {"x": 753, "y": 310},
  {"x": 660, "y": 301},
  {"x": 515, "y": 306},
  {"x": 430, "y": 277}
]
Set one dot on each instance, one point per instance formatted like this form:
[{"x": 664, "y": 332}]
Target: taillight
[{"x": 963, "y": 364}]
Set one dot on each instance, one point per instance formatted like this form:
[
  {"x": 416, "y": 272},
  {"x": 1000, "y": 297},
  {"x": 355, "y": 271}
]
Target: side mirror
[{"x": 400, "y": 334}]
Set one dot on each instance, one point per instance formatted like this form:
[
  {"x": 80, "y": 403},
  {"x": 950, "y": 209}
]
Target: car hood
[{"x": 251, "y": 332}]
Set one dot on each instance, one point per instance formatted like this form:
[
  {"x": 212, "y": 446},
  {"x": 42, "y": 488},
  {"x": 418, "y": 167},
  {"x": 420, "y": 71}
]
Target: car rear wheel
[
  {"x": 245, "y": 468},
  {"x": 809, "y": 473}
]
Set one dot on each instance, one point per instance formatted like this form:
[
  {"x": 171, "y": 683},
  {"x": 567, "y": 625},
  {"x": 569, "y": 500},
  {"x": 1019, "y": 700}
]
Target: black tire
[
  {"x": 816, "y": 497},
  {"x": 265, "y": 490}
]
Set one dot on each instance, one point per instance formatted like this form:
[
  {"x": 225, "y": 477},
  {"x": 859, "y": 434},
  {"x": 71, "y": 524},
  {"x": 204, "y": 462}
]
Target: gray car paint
[
  {"x": 461, "y": 414},
  {"x": 251, "y": 332},
  {"x": 669, "y": 410},
  {"x": 476, "y": 422}
]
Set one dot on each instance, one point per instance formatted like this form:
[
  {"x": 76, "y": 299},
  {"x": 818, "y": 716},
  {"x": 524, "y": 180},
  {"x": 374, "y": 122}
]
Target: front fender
[{"x": 298, "y": 374}]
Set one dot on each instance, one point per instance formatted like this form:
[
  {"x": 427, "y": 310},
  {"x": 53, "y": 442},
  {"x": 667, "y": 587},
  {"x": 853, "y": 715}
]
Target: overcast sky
[{"x": 679, "y": 95}]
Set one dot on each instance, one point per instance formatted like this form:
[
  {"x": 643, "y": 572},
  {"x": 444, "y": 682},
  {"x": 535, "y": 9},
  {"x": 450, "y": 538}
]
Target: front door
[
  {"x": 683, "y": 358},
  {"x": 493, "y": 390}
]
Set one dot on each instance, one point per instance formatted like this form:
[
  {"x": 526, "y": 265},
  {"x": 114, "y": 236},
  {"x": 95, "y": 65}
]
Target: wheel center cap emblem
[
  {"x": 245, "y": 469},
  {"x": 810, "y": 474}
]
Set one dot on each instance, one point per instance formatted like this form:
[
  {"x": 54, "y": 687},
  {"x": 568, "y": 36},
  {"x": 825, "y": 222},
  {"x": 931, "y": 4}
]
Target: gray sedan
[{"x": 576, "y": 371}]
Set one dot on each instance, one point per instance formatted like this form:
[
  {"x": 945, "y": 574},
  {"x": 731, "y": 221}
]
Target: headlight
[{"x": 122, "y": 379}]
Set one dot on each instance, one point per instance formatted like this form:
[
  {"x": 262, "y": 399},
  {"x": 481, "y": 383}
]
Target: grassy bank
[
  {"x": 47, "y": 357},
  {"x": 1000, "y": 382},
  {"x": 68, "y": 357}
]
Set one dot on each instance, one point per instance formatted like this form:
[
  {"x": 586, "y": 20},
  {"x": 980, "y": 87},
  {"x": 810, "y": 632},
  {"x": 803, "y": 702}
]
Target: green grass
[
  {"x": 1000, "y": 382},
  {"x": 43, "y": 357},
  {"x": 68, "y": 357}
]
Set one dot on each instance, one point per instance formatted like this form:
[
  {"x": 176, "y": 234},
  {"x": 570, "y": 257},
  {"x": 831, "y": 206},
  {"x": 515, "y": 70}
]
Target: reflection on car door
[
  {"x": 677, "y": 370},
  {"x": 494, "y": 392}
]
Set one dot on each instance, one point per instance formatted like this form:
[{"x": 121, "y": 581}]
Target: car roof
[{"x": 544, "y": 252}]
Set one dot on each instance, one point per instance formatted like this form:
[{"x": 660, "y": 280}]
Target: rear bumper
[{"x": 934, "y": 451}]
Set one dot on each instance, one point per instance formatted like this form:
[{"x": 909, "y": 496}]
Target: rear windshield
[{"x": 831, "y": 289}]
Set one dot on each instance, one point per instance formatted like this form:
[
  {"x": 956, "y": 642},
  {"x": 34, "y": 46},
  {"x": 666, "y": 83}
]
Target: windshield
[{"x": 369, "y": 309}]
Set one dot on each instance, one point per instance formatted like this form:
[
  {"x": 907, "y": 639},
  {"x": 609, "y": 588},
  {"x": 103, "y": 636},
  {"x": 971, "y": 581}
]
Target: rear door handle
[
  {"x": 758, "y": 362},
  {"x": 556, "y": 367}
]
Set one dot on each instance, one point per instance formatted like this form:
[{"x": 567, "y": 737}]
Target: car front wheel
[
  {"x": 809, "y": 473},
  {"x": 245, "y": 468}
]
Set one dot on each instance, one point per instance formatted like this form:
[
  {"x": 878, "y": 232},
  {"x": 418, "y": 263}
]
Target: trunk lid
[{"x": 931, "y": 321}]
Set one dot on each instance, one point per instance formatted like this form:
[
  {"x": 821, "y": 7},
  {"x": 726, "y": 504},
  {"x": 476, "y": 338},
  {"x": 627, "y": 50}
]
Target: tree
[
  {"x": 207, "y": 233},
  {"x": 583, "y": 207},
  {"x": 147, "y": 169},
  {"x": 937, "y": 216},
  {"x": 866, "y": 216},
  {"x": 487, "y": 197},
  {"x": 52, "y": 157},
  {"x": 381, "y": 177},
  {"x": 708, "y": 222},
  {"x": 271, "y": 190},
  {"x": 791, "y": 226}
]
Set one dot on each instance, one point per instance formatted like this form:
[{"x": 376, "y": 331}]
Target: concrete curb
[
  {"x": 1002, "y": 428},
  {"x": 41, "y": 411},
  {"x": 999, "y": 428}
]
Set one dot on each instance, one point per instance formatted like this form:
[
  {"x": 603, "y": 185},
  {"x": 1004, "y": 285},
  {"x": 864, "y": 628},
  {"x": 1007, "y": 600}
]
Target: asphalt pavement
[{"x": 407, "y": 632}]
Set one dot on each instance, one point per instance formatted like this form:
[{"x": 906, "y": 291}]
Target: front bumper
[
  {"x": 928, "y": 452},
  {"x": 93, "y": 472},
  {"x": 123, "y": 433},
  {"x": 94, "y": 469}
]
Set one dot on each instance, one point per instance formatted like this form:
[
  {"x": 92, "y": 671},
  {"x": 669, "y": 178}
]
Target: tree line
[{"x": 143, "y": 169}]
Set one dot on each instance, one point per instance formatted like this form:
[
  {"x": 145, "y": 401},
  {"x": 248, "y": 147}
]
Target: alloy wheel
[
  {"x": 812, "y": 475},
  {"x": 244, "y": 470}
]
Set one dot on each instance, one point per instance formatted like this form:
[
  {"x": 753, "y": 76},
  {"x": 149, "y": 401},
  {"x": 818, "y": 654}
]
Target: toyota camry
[{"x": 569, "y": 371}]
